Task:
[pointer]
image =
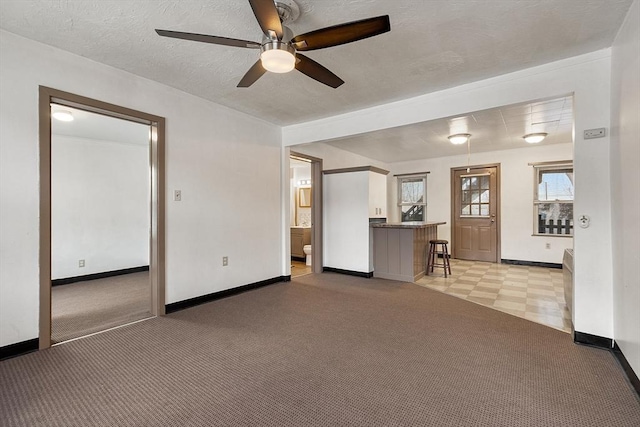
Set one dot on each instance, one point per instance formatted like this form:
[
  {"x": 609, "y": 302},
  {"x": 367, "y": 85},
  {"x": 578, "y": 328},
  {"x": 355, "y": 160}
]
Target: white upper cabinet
[{"x": 377, "y": 195}]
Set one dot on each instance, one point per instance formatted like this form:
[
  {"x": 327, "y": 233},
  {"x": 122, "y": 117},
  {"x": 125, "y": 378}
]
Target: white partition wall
[
  {"x": 625, "y": 185},
  {"x": 346, "y": 224}
]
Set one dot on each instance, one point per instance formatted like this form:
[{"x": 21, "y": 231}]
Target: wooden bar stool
[{"x": 435, "y": 251}]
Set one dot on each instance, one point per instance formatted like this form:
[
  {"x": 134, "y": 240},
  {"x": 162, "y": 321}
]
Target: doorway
[
  {"x": 306, "y": 211},
  {"x": 100, "y": 221},
  {"x": 122, "y": 268},
  {"x": 475, "y": 208},
  {"x": 301, "y": 192}
]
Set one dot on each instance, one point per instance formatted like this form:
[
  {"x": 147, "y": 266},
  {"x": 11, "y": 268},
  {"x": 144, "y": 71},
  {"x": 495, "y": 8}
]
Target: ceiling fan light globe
[{"x": 278, "y": 61}]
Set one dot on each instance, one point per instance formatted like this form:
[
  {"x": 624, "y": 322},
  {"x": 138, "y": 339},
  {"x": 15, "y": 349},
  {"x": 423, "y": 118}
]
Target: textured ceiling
[
  {"x": 432, "y": 45},
  {"x": 491, "y": 130}
]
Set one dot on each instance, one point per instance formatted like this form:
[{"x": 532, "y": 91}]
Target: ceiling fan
[{"x": 279, "y": 50}]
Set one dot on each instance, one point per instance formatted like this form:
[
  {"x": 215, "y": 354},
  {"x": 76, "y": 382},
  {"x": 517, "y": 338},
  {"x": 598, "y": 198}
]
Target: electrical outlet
[
  {"x": 547, "y": 245},
  {"x": 594, "y": 133},
  {"x": 225, "y": 261},
  {"x": 177, "y": 195},
  {"x": 81, "y": 263}
]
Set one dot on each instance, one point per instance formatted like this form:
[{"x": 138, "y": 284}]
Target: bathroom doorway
[{"x": 305, "y": 174}]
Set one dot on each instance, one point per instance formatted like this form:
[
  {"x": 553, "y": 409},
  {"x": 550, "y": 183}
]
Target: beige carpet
[
  {"x": 82, "y": 308},
  {"x": 322, "y": 350}
]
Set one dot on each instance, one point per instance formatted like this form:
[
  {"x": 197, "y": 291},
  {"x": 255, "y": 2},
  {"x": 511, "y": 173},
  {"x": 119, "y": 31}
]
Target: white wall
[
  {"x": 516, "y": 213},
  {"x": 346, "y": 221},
  {"x": 587, "y": 77},
  {"x": 227, "y": 164},
  {"x": 100, "y": 205},
  {"x": 625, "y": 185},
  {"x": 336, "y": 158}
]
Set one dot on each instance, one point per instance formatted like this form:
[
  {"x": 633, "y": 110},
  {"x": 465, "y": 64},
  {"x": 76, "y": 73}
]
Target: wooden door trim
[
  {"x": 498, "y": 206},
  {"x": 48, "y": 95}
]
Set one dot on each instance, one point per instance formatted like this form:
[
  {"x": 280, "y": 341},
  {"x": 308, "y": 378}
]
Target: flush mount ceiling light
[
  {"x": 459, "y": 138},
  {"x": 63, "y": 115},
  {"x": 278, "y": 57},
  {"x": 534, "y": 138}
]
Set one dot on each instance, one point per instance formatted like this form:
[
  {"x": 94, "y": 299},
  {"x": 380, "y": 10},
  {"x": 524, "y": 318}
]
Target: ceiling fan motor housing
[{"x": 288, "y": 11}]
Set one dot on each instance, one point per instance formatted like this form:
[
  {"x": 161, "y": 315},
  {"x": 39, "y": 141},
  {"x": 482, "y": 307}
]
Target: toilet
[{"x": 307, "y": 252}]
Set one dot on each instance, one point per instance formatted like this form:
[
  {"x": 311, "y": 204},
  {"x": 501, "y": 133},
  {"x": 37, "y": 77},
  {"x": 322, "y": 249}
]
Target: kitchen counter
[
  {"x": 399, "y": 249},
  {"x": 409, "y": 224}
]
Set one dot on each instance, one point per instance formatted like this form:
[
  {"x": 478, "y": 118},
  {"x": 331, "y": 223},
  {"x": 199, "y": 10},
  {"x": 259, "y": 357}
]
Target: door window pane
[
  {"x": 466, "y": 197},
  {"x": 484, "y": 182},
  {"x": 466, "y": 183}
]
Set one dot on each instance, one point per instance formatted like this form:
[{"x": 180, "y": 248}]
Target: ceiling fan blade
[
  {"x": 342, "y": 33},
  {"x": 316, "y": 71},
  {"x": 267, "y": 16},
  {"x": 208, "y": 39},
  {"x": 255, "y": 72}
]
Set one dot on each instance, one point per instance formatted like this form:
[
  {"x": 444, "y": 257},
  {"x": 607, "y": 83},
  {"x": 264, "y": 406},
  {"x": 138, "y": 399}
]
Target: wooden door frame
[
  {"x": 49, "y": 95},
  {"x": 316, "y": 210},
  {"x": 498, "y": 208}
]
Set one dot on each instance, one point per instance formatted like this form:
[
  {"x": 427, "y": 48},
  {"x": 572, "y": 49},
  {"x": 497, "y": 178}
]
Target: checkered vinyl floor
[{"x": 533, "y": 293}]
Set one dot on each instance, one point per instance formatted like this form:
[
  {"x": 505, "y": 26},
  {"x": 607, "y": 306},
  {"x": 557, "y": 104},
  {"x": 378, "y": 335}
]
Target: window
[
  {"x": 475, "y": 195},
  {"x": 553, "y": 199},
  {"x": 412, "y": 197}
]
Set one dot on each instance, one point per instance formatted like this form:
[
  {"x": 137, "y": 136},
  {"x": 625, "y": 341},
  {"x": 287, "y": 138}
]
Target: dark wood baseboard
[
  {"x": 95, "y": 276},
  {"x": 297, "y": 258},
  {"x": 531, "y": 263},
  {"x": 631, "y": 375},
  {"x": 18, "y": 349},
  {"x": 612, "y": 346},
  {"x": 592, "y": 340},
  {"x": 192, "y": 302},
  {"x": 347, "y": 272}
]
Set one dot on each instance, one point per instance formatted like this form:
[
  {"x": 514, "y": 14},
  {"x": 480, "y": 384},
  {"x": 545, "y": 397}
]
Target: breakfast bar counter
[{"x": 399, "y": 249}]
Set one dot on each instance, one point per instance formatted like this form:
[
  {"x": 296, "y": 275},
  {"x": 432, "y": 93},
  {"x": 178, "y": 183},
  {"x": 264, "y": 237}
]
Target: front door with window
[{"x": 475, "y": 202}]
